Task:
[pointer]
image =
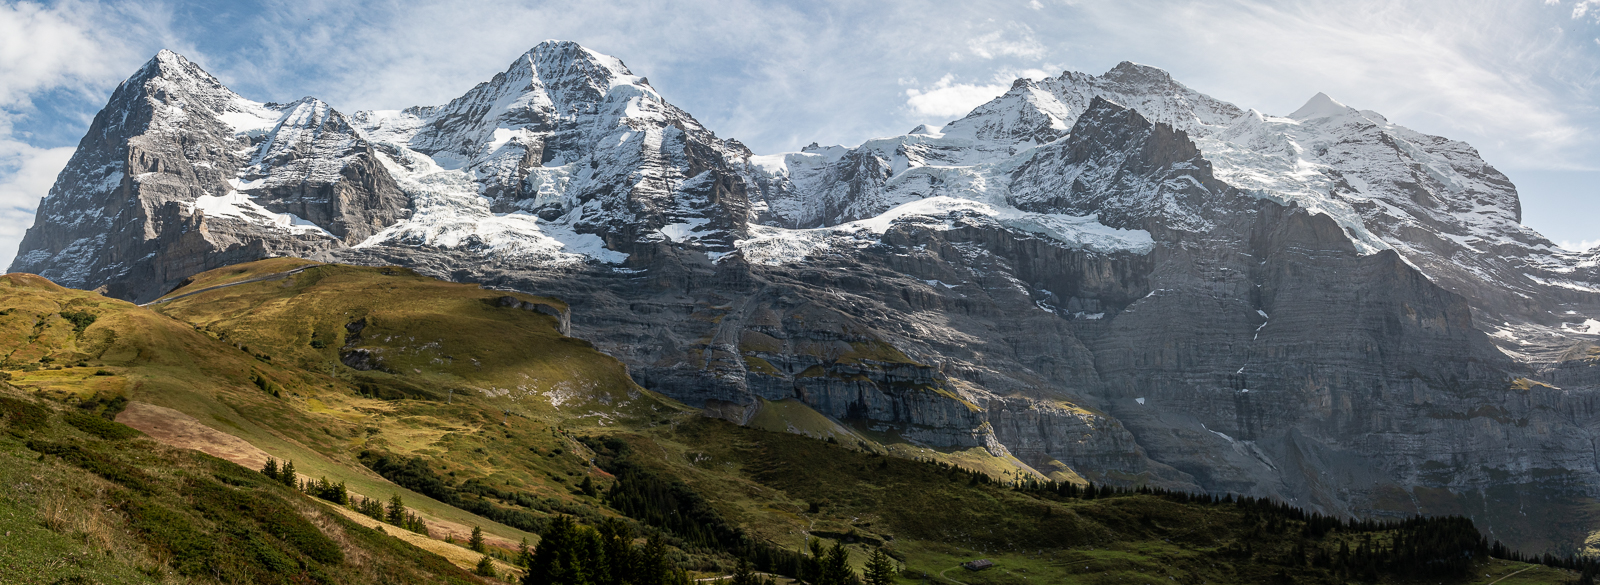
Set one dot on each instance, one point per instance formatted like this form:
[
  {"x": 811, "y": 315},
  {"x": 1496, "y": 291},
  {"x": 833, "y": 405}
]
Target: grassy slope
[
  {"x": 493, "y": 386},
  {"x": 129, "y": 510},
  {"x": 494, "y": 394},
  {"x": 934, "y": 520},
  {"x": 163, "y": 361}
]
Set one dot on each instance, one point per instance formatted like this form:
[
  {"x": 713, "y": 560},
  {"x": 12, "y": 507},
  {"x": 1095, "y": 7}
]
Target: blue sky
[{"x": 1518, "y": 79}]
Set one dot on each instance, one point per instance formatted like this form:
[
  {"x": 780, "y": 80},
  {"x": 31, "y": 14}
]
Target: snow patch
[
  {"x": 248, "y": 117},
  {"x": 1588, "y": 327},
  {"x": 449, "y": 213},
  {"x": 772, "y": 245},
  {"x": 238, "y": 206}
]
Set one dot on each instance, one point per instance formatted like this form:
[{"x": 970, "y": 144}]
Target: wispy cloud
[{"x": 1015, "y": 41}]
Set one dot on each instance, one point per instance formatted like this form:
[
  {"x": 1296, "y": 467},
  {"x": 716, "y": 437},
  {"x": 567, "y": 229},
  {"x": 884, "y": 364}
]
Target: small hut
[{"x": 977, "y": 565}]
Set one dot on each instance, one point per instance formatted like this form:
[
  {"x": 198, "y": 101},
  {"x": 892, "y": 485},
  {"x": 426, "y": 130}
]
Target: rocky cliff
[{"x": 1111, "y": 276}]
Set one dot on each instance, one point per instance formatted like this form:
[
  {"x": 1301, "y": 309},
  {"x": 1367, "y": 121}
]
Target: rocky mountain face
[
  {"x": 178, "y": 175},
  {"x": 1112, "y": 276}
]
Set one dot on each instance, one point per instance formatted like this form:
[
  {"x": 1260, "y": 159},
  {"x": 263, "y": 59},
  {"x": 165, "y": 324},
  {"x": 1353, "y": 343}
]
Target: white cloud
[
  {"x": 1581, "y": 246},
  {"x": 947, "y": 99},
  {"x": 26, "y": 173},
  {"x": 42, "y": 49},
  {"x": 46, "y": 48}
]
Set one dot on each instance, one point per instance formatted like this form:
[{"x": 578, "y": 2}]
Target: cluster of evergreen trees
[
  {"x": 414, "y": 474},
  {"x": 571, "y": 554},
  {"x": 396, "y": 513},
  {"x": 673, "y": 507},
  {"x": 1418, "y": 547},
  {"x": 1588, "y": 568}
]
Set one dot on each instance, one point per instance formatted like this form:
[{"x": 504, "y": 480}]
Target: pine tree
[
  {"x": 811, "y": 566},
  {"x": 524, "y": 554},
  {"x": 476, "y": 542},
  {"x": 616, "y": 538},
  {"x": 836, "y": 567},
  {"x": 287, "y": 475},
  {"x": 744, "y": 575},
  {"x": 397, "y": 511},
  {"x": 485, "y": 568},
  {"x": 653, "y": 567},
  {"x": 555, "y": 561},
  {"x": 880, "y": 570},
  {"x": 270, "y": 469}
]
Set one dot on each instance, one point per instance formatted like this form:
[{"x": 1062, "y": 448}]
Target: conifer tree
[
  {"x": 744, "y": 575},
  {"x": 880, "y": 570},
  {"x": 836, "y": 567},
  {"x": 653, "y": 567},
  {"x": 811, "y": 566},
  {"x": 397, "y": 511},
  {"x": 524, "y": 554},
  {"x": 270, "y": 469},
  {"x": 485, "y": 568},
  {"x": 555, "y": 561},
  {"x": 616, "y": 540},
  {"x": 287, "y": 475},
  {"x": 476, "y": 542}
]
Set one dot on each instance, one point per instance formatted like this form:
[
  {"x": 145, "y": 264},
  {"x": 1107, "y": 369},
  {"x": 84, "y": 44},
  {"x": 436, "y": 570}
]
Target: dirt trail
[{"x": 273, "y": 276}]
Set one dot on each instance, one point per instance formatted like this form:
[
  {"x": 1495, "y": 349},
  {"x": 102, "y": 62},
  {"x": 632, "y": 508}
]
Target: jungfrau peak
[
  {"x": 1113, "y": 276},
  {"x": 1319, "y": 106}
]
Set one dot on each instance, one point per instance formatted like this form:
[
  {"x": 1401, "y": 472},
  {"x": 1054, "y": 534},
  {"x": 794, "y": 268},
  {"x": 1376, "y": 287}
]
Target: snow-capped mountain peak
[{"x": 1320, "y": 106}]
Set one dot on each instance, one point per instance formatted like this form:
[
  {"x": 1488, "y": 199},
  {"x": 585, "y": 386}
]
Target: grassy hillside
[
  {"x": 472, "y": 406},
  {"x": 932, "y": 517},
  {"x": 87, "y": 500}
]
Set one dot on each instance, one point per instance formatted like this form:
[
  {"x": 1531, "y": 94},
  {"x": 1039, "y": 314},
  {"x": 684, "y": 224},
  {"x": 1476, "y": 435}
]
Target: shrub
[
  {"x": 24, "y": 416},
  {"x": 96, "y": 463},
  {"x": 485, "y": 568},
  {"x": 80, "y": 320},
  {"x": 100, "y": 427}
]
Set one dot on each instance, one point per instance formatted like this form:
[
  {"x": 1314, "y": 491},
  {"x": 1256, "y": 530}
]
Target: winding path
[
  {"x": 273, "y": 276},
  {"x": 941, "y": 575},
  {"x": 1509, "y": 576}
]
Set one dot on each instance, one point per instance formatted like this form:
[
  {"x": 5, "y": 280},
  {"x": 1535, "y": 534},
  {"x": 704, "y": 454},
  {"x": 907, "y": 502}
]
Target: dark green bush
[
  {"x": 96, "y": 463},
  {"x": 80, "y": 320},
  {"x": 24, "y": 416},
  {"x": 100, "y": 427}
]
